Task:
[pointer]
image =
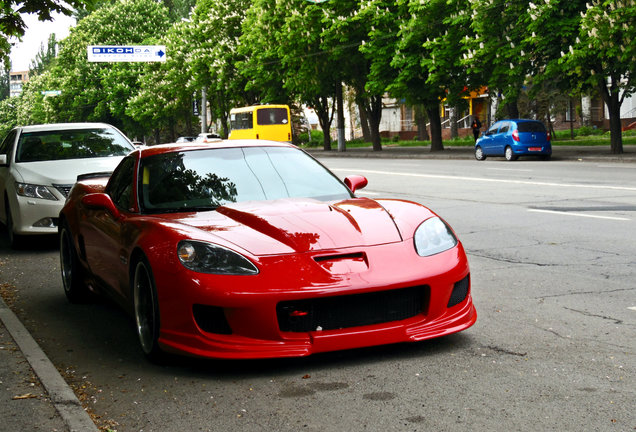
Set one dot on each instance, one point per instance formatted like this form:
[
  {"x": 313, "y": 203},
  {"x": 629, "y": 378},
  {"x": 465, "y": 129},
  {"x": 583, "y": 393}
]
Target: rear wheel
[
  {"x": 72, "y": 273},
  {"x": 510, "y": 156},
  {"x": 479, "y": 154},
  {"x": 146, "y": 310}
]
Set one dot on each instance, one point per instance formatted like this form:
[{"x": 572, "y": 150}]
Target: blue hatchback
[{"x": 514, "y": 138}]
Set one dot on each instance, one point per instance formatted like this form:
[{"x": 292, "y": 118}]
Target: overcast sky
[{"x": 37, "y": 32}]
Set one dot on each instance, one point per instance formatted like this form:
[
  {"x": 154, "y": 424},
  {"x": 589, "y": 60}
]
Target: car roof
[
  {"x": 64, "y": 126},
  {"x": 178, "y": 147}
]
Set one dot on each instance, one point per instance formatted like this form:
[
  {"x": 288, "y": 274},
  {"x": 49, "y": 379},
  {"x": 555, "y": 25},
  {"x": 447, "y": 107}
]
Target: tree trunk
[
  {"x": 364, "y": 122},
  {"x": 421, "y": 119},
  {"x": 436, "y": 128},
  {"x": 454, "y": 133},
  {"x": 341, "y": 123},
  {"x": 612, "y": 98},
  {"x": 375, "y": 115},
  {"x": 512, "y": 108},
  {"x": 321, "y": 106}
]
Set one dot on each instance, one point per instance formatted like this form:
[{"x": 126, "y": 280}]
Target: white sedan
[{"x": 39, "y": 165}]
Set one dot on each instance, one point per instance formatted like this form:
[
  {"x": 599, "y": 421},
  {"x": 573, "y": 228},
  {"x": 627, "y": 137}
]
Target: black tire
[
  {"x": 546, "y": 157},
  {"x": 479, "y": 154},
  {"x": 72, "y": 272},
  {"x": 509, "y": 155},
  {"x": 15, "y": 240},
  {"x": 146, "y": 309}
]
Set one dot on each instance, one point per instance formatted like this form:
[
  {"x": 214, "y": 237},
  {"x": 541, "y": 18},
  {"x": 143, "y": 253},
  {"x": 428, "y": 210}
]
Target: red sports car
[{"x": 253, "y": 249}]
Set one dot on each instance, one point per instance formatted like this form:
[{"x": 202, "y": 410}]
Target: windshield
[
  {"x": 71, "y": 144},
  {"x": 206, "y": 179}
]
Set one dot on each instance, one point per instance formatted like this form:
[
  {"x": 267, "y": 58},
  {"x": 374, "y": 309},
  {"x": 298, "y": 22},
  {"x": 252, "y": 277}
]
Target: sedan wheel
[
  {"x": 479, "y": 154},
  {"x": 510, "y": 156},
  {"x": 146, "y": 310},
  {"x": 72, "y": 273},
  {"x": 14, "y": 239}
]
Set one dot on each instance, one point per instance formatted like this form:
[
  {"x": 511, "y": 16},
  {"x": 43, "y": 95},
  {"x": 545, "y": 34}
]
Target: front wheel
[
  {"x": 15, "y": 240},
  {"x": 479, "y": 154},
  {"x": 146, "y": 310},
  {"x": 510, "y": 156}
]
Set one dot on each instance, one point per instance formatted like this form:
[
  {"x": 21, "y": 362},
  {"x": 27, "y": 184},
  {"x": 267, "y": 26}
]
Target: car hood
[
  {"x": 299, "y": 225},
  {"x": 62, "y": 171}
]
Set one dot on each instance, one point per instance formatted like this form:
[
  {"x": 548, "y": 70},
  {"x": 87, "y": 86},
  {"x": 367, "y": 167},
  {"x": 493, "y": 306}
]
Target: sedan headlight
[
  {"x": 210, "y": 258},
  {"x": 34, "y": 191},
  {"x": 433, "y": 236}
]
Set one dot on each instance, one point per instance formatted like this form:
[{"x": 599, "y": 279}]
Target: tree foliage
[{"x": 424, "y": 52}]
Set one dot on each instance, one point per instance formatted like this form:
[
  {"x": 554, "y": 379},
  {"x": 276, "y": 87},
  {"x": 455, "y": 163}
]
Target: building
[{"x": 16, "y": 81}]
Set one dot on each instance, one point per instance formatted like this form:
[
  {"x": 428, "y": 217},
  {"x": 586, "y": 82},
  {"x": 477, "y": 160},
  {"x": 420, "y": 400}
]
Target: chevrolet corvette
[{"x": 252, "y": 249}]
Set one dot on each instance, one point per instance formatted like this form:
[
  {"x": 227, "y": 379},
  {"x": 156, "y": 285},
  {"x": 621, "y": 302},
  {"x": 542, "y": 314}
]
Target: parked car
[
  {"x": 253, "y": 249},
  {"x": 514, "y": 138},
  {"x": 207, "y": 137},
  {"x": 183, "y": 139},
  {"x": 39, "y": 164}
]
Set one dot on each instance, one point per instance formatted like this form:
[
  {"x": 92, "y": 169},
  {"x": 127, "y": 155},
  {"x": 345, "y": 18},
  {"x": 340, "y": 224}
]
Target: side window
[
  {"x": 504, "y": 128},
  {"x": 120, "y": 186},
  {"x": 493, "y": 129},
  {"x": 7, "y": 145}
]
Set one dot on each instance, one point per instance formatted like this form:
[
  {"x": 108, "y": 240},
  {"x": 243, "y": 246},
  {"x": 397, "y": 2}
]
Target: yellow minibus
[{"x": 268, "y": 122}]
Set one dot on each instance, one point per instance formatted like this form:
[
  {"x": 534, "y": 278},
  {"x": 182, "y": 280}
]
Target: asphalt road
[{"x": 551, "y": 247}]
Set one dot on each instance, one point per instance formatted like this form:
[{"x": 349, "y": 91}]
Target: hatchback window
[
  {"x": 504, "y": 128},
  {"x": 530, "y": 127},
  {"x": 493, "y": 129}
]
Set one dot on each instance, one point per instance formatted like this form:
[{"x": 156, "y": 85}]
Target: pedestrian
[{"x": 476, "y": 126}]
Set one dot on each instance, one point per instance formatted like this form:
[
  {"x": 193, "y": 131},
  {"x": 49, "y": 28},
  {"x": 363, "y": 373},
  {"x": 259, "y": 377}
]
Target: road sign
[{"x": 126, "y": 53}]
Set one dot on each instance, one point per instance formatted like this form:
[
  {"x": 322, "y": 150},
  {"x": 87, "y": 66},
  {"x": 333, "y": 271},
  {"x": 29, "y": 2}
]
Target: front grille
[
  {"x": 64, "y": 189},
  {"x": 211, "y": 319},
  {"x": 331, "y": 313}
]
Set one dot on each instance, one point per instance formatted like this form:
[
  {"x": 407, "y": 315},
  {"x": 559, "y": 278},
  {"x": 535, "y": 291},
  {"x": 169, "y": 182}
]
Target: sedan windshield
[
  {"x": 71, "y": 144},
  {"x": 206, "y": 179}
]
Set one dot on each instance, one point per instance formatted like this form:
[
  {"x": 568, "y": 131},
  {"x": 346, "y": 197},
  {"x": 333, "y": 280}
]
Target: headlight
[
  {"x": 433, "y": 237},
  {"x": 34, "y": 191},
  {"x": 210, "y": 258}
]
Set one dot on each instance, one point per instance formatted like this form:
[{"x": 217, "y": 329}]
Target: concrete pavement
[{"x": 33, "y": 394}]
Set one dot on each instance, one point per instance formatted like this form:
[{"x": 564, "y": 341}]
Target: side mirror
[
  {"x": 3, "y": 159},
  {"x": 355, "y": 182},
  {"x": 101, "y": 201}
]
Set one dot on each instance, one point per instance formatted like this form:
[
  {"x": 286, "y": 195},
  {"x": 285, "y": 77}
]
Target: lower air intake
[
  {"x": 460, "y": 291},
  {"x": 211, "y": 319},
  {"x": 338, "y": 312}
]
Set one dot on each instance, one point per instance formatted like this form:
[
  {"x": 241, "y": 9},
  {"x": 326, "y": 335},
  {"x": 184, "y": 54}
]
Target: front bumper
[{"x": 248, "y": 304}]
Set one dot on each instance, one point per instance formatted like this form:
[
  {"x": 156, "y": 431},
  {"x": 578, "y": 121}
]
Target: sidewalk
[
  {"x": 559, "y": 153},
  {"x": 33, "y": 394}
]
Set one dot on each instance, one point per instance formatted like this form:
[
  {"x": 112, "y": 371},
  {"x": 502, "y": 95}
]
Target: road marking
[
  {"x": 578, "y": 214},
  {"x": 487, "y": 180},
  {"x": 510, "y": 169},
  {"x": 632, "y": 308}
]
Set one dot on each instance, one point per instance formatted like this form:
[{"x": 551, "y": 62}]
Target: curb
[{"x": 62, "y": 396}]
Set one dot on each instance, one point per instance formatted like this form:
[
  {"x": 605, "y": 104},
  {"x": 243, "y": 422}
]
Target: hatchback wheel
[
  {"x": 479, "y": 154},
  {"x": 510, "y": 156}
]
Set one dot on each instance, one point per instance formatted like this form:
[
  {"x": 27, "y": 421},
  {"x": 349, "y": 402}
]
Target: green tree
[
  {"x": 100, "y": 91},
  {"x": 12, "y": 24},
  {"x": 45, "y": 57},
  {"x": 599, "y": 53}
]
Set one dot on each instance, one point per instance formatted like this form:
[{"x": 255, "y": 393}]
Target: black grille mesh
[
  {"x": 460, "y": 291},
  {"x": 211, "y": 319},
  {"x": 330, "y": 313}
]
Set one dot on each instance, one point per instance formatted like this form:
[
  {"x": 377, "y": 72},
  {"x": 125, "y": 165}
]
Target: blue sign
[{"x": 130, "y": 53}]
